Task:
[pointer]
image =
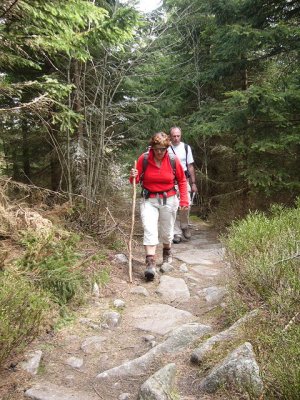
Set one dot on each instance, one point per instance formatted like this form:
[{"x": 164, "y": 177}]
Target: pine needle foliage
[{"x": 227, "y": 73}]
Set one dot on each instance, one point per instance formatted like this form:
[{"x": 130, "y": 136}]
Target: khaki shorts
[{"x": 158, "y": 220}]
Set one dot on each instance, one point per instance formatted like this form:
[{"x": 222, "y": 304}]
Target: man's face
[{"x": 175, "y": 136}]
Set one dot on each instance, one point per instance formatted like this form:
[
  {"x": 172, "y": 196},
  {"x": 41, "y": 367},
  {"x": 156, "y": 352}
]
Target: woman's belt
[{"x": 159, "y": 195}]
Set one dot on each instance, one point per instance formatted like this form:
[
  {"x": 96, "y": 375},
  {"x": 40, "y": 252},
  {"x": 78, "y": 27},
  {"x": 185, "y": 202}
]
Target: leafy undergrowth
[
  {"x": 263, "y": 250},
  {"x": 52, "y": 274}
]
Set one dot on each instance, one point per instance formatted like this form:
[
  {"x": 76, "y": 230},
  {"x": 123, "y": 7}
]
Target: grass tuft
[{"x": 264, "y": 253}]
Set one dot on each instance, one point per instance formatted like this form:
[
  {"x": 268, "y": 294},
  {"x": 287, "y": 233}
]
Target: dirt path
[{"x": 108, "y": 333}]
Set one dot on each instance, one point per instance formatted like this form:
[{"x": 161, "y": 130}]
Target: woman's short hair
[{"x": 160, "y": 138}]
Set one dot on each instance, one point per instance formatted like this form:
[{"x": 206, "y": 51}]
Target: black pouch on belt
[{"x": 145, "y": 193}]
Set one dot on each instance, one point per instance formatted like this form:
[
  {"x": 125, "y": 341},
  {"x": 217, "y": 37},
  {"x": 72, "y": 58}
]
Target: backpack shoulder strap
[
  {"x": 186, "y": 147},
  {"x": 145, "y": 164},
  {"x": 172, "y": 161},
  {"x": 145, "y": 161}
]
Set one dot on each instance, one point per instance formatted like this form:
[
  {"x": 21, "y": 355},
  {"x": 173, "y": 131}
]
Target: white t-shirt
[{"x": 180, "y": 152}]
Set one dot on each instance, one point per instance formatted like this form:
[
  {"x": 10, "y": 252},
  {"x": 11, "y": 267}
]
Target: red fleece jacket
[{"x": 161, "y": 179}]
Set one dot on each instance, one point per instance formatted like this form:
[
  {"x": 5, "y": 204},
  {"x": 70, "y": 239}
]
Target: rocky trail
[{"x": 145, "y": 340}]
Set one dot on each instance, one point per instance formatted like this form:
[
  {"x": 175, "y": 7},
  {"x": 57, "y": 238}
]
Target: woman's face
[{"x": 159, "y": 151}]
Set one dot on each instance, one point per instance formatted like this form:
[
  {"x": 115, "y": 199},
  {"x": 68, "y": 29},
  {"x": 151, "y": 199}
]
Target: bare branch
[{"x": 38, "y": 100}]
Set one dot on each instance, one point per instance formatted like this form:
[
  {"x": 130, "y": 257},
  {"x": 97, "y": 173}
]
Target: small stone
[
  {"x": 119, "y": 303},
  {"x": 92, "y": 344},
  {"x": 96, "y": 290},
  {"x": 124, "y": 396},
  {"x": 183, "y": 268},
  {"x": 32, "y": 362},
  {"x": 121, "y": 258},
  {"x": 75, "y": 362},
  {"x": 90, "y": 323},
  {"x": 148, "y": 338},
  {"x": 111, "y": 318},
  {"x": 213, "y": 294},
  {"x": 166, "y": 267},
  {"x": 140, "y": 290}
]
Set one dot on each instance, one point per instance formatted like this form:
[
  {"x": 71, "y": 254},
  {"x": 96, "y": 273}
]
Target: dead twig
[
  {"x": 291, "y": 322},
  {"x": 297, "y": 255},
  {"x": 96, "y": 391},
  {"x": 84, "y": 261}
]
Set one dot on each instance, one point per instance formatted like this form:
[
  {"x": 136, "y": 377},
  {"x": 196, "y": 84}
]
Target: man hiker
[{"x": 184, "y": 152}]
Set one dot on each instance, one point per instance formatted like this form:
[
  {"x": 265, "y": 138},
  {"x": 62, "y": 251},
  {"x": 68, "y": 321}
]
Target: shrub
[
  {"x": 263, "y": 250},
  {"x": 51, "y": 263},
  {"x": 22, "y": 308},
  {"x": 263, "y": 253}
]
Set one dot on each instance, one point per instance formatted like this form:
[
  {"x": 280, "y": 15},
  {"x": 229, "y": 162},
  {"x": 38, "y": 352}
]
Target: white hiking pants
[{"x": 158, "y": 219}]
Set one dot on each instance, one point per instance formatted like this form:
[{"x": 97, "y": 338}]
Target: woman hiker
[{"x": 157, "y": 171}]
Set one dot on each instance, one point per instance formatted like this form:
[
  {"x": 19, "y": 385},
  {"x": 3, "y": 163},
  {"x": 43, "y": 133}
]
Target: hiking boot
[
  {"x": 176, "y": 239},
  {"x": 167, "y": 256},
  {"x": 187, "y": 233},
  {"x": 150, "y": 268}
]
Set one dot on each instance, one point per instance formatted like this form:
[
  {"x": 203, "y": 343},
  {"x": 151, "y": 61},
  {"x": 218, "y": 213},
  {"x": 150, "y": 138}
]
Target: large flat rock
[
  {"x": 49, "y": 391},
  {"x": 158, "y": 318},
  {"x": 200, "y": 256},
  {"x": 173, "y": 289}
]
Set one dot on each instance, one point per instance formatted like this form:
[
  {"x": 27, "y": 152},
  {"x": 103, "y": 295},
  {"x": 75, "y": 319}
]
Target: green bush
[
  {"x": 51, "y": 264},
  {"x": 22, "y": 308},
  {"x": 263, "y": 250}
]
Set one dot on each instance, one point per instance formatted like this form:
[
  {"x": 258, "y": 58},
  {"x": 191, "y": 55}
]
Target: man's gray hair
[{"x": 174, "y": 127}]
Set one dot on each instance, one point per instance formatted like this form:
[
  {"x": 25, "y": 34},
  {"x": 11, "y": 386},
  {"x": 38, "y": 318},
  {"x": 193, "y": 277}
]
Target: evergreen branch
[{"x": 271, "y": 121}]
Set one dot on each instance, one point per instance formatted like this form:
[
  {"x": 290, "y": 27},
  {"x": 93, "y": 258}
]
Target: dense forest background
[{"x": 84, "y": 84}]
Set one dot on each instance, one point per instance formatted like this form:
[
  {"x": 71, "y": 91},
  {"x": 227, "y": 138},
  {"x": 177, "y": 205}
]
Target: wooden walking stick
[{"x": 132, "y": 227}]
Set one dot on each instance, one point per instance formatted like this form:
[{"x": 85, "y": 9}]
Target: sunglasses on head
[{"x": 161, "y": 149}]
